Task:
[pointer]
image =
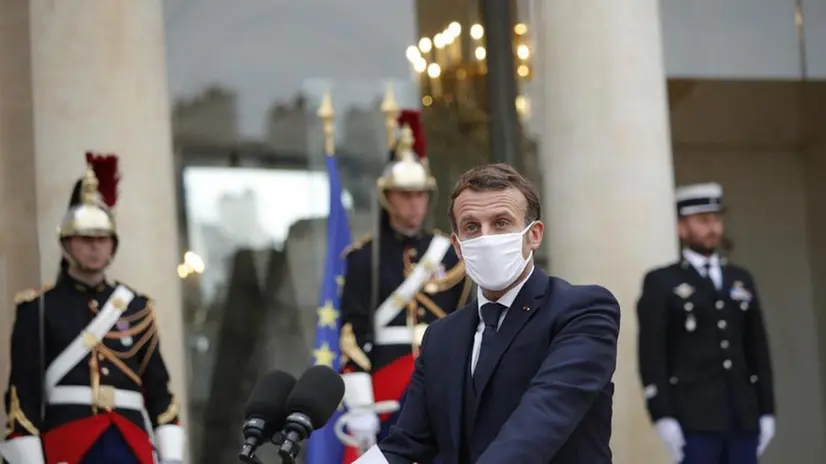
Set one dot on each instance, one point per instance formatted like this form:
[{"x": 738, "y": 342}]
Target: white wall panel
[
  {"x": 745, "y": 39},
  {"x": 814, "y": 14}
]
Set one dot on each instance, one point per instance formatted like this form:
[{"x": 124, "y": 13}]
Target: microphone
[
  {"x": 313, "y": 401},
  {"x": 265, "y": 412}
]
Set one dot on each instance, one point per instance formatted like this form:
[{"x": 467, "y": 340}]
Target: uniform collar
[
  {"x": 403, "y": 237},
  {"x": 82, "y": 287},
  {"x": 699, "y": 261}
]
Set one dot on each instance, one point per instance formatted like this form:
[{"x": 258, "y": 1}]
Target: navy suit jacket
[{"x": 547, "y": 399}]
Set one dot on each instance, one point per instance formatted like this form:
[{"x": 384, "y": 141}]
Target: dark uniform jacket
[
  {"x": 703, "y": 353},
  {"x": 398, "y": 254},
  {"x": 128, "y": 358}
]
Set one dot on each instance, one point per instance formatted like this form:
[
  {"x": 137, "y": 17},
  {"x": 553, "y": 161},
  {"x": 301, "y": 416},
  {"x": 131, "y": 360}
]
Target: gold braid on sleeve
[
  {"x": 171, "y": 412},
  {"x": 351, "y": 350},
  {"x": 16, "y": 414}
]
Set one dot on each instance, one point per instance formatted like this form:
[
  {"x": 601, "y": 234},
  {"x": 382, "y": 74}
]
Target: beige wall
[
  {"x": 19, "y": 266},
  {"x": 814, "y": 164}
]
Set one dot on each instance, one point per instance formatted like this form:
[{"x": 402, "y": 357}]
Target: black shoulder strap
[
  {"x": 374, "y": 272},
  {"x": 41, "y": 322}
]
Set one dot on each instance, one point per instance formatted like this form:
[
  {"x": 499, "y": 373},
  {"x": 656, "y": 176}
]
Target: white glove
[
  {"x": 766, "y": 433},
  {"x": 364, "y": 426},
  {"x": 671, "y": 434}
]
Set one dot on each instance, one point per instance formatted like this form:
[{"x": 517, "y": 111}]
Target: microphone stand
[
  {"x": 287, "y": 457},
  {"x": 289, "y": 453},
  {"x": 247, "y": 454},
  {"x": 251, "y": 459}
]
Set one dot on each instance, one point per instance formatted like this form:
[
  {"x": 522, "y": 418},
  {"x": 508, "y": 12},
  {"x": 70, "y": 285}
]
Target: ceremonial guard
[
  {"x": 88, "y": 384},
  {"x": 703, "y": 349},
  {"x": 396, "y": 284}
]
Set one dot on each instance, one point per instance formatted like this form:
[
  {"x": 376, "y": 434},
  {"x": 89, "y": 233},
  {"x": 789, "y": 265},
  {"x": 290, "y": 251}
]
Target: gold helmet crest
[
  {"x": 91, "y": 217},
  {"x": 406, "y": 172},
  {"x": 89, "y": 213},
  {"x": 408, "y": 169}
]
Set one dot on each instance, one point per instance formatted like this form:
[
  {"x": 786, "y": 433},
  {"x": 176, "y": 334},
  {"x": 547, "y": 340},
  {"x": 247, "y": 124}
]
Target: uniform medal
[
  {"x": 123, "y": 326},
  {"x": 690, "y": 323}
]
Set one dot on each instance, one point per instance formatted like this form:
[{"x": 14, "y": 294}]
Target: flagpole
[
  {"x": 327, "y": 116},
  {"x": 391, "y": 114},
  {"x": 390, "y": 109},
  {"x": 800, "y": 26},
  {"x": 324, "y": 446}
]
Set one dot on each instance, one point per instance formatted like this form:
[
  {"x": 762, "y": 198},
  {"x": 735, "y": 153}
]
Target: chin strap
[{"x": 72, "y": 262}]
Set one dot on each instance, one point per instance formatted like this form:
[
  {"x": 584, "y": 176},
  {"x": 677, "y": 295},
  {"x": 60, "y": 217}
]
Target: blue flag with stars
[{"x": 324, "y": 447}]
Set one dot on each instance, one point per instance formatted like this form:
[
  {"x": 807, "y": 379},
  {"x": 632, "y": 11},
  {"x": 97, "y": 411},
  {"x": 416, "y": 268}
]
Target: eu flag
[{"x": 324, "y": 447}]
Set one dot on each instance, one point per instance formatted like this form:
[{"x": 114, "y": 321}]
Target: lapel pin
[{"x": 526, "y": 308}]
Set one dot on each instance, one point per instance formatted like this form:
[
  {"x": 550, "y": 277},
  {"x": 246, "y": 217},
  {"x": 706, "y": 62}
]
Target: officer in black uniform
[
  {"x": 703, "y": 350},
  {"x": 88, "y": 384},
  {"x": 382, "y": 323}
]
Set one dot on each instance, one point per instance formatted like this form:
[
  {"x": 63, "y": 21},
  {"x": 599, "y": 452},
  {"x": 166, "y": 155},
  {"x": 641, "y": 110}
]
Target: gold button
[
  {"x": 422, "y": 312},
  {"x": 104, "y": 371},
  {"x": 93, "y": 304}
]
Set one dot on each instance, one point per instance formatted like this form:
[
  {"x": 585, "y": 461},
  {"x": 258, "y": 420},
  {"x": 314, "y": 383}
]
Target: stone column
[
  {"x": 19, "y": 262},
  {"x": 99, "y": 80},
  {"x": 608, "y": 173}
]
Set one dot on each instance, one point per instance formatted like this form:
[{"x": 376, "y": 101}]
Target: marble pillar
[
  {"x": 19, "y": 262},
  {"x": 98, "y": 74},
  {"x": 608, "y": 176}
]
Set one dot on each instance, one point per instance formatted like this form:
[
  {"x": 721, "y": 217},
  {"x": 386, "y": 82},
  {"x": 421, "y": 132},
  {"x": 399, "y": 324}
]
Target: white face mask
[{"x": 495, "y": 261}]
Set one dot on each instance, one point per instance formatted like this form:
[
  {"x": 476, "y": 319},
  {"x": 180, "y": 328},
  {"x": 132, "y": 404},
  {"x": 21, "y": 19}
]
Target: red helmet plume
[
  {"x": 413, "y": 119},
  {"x": 106, "y": 170}
]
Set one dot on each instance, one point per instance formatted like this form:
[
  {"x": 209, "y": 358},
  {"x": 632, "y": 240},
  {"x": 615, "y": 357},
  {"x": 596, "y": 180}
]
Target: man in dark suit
[
  {"x": 523, "y": 374},
  {"x": 703, "y": 349}
]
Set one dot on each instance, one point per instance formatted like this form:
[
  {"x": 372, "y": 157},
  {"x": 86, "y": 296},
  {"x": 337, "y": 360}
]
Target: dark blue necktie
[
  {"x": 491, "y": 312},
  {"x": 707, "y": 276}
]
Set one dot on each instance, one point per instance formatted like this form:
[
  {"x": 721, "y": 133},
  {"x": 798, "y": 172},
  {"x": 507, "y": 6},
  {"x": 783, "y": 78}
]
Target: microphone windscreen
[
  {"x": 268, "y": 400},
  {"x": 317, "y": 394}
]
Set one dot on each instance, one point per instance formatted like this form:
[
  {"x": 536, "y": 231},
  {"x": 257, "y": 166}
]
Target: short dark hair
[{"x": 499, "y": 176}]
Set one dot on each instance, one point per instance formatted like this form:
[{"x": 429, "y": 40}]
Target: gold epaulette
[
  {"x": 356, "y": 245},
  {"x": 31, "y": 294}
]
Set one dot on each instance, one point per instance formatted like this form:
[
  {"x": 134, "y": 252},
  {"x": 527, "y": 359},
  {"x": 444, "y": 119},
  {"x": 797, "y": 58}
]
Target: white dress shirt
[
  {"x": 699, "y": 262},
  {"x": 506, "y": 300}
]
